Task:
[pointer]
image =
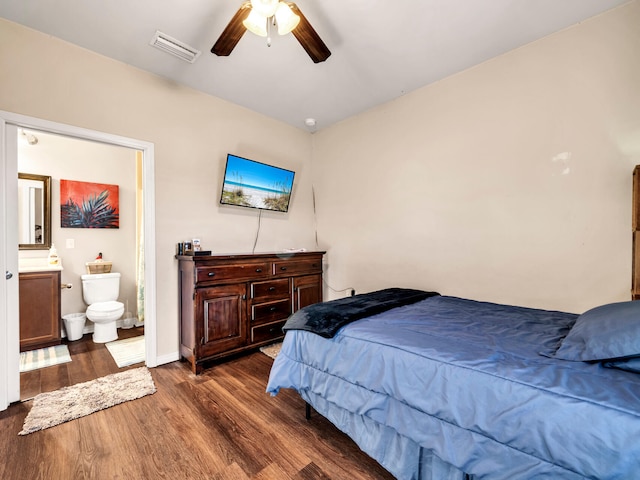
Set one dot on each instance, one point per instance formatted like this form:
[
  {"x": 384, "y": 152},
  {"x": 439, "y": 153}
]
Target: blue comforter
[{"x": 465, "y": 381}]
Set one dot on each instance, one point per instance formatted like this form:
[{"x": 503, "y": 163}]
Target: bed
[{"x": 440, "y": 387}]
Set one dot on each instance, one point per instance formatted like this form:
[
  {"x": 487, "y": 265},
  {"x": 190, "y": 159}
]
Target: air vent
[{"x": 175, "y": 47}]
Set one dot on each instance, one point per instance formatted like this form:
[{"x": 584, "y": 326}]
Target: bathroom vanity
[
  {"x": 39, "y": 281},
  {"x": 39, "y": 307}
]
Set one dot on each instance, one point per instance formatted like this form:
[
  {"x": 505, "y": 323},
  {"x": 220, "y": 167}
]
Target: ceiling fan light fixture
[
  {"x": 256, "y": 23},
  {"x": 267, "y": 8},
  {"x": 253, "y": 16},
  {"x": 286, "y": 19}
]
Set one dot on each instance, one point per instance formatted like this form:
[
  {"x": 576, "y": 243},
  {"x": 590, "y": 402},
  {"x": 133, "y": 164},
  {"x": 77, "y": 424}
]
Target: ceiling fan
[{"x": 259, "y": 16}]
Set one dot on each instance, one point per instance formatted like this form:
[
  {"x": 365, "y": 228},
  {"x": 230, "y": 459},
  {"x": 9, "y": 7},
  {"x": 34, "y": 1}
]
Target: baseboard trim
[{"x": 168, "y": 358}]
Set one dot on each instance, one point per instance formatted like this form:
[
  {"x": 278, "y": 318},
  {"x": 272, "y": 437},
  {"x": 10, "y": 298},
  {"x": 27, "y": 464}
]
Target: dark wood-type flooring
[
  {"x": 88, "y": 361},
  {"x": 220, "y": 425}
]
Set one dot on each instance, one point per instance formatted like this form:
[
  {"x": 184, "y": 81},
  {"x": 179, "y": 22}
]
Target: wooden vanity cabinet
[
  {"x": 233, "y": 303},
  {"x": 39, "y": 309}
]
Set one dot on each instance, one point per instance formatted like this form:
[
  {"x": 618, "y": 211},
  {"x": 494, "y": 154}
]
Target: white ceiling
[{"x": 381, "y": 49}]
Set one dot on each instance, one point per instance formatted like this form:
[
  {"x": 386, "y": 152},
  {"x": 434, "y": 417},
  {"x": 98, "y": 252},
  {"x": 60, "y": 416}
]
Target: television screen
[{"x": 248, "y": 183}]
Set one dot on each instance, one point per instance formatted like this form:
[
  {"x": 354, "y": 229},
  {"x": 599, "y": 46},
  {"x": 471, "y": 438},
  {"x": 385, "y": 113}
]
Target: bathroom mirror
[{"x": 34, "y": 211}]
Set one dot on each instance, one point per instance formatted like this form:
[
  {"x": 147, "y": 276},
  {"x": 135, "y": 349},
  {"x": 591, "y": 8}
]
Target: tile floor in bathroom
[{"x": 88, "y": 361}]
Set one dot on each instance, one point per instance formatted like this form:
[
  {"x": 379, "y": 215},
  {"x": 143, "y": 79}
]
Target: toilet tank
[{"x": 100, "y": 287}]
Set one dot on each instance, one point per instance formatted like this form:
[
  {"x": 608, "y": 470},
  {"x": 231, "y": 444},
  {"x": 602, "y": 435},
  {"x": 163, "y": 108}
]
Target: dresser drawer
[
  {"x": 270, "y": 331},
  {"x": 271, "y": 311},
  {"x": 271, "y": 288},
  {"x": 295, "y": 267},
  {"x": 237, "y": 271}
]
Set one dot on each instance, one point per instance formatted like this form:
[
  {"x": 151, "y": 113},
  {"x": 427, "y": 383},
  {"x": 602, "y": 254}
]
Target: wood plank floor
[
  {"x": 220, "y": 425},
  {"x": 88, "y": 361}
]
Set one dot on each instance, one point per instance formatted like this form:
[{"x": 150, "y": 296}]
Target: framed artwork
[{"x": 88, "y": 205}]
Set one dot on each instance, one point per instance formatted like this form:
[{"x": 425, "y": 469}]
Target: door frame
[{"x": 9, "y": 331}]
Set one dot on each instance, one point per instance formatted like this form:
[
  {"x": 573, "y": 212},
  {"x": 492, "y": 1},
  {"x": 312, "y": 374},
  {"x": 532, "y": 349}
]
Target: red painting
[{"x": 88, "y": 205}]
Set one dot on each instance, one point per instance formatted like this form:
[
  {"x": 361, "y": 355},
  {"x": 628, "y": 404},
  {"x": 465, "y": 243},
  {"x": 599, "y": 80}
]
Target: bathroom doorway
[
  {"x": 114, "y": 238},
  {"x": 9, "y": 340}
]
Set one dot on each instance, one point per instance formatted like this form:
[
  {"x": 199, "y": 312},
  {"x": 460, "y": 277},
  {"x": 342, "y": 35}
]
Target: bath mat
[
  {"x": 128, "y": 351},
  {"x": 272, "y": 350},
  {"x": 44, "y": 357},
  {"x": 53, "y": 408}
]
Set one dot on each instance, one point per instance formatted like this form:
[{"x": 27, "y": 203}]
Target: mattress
[{"x": 465, "y": 381}]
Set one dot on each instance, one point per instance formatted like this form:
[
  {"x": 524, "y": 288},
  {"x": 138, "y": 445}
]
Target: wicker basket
[{"x": 98, "y": 267}]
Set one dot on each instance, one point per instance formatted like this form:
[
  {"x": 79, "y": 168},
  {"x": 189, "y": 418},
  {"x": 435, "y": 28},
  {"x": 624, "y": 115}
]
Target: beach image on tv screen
[{"x": 257, "y": 185}]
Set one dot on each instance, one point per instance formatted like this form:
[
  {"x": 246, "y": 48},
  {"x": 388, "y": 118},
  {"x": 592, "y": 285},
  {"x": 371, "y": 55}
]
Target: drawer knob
[
  {"x": 273, "y": 309},
  {"x": 271, "y": 289},
  {"x": 283, "y": 268},
  {"x": 258, "y": 270},
  {"x": 211, "y": 274}
]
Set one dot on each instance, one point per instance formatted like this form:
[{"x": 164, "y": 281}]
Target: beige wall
[
  {"x": 508, "y": 182},
  {"x": 46, "y": 78},
  {"x": 73, "y": 159}
]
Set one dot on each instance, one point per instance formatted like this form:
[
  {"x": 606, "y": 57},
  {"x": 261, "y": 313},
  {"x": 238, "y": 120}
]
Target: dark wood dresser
[{"x": 233, "y": 303}]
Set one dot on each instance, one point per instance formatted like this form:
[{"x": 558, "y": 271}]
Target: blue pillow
[{"x": 602, "y": 333}]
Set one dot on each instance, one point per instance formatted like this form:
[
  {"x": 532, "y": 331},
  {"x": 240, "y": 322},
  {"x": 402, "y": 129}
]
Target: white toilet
[{"x": 100, "y": 292}]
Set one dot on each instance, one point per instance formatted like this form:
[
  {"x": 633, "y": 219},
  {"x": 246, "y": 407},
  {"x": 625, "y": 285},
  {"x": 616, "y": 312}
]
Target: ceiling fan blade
[
  {"x": 233, "y": 32},
  {"x": 308, "y": 38}
]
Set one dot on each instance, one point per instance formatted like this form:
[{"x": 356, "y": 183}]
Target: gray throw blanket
[{"x": 326, "y": 318}]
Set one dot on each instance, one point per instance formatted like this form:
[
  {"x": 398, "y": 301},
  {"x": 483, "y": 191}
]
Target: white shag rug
[
  {"x": 128, "y": 351},
  {"x": 53, "y": 408},
  {"x": 272, "y": 350},
  {"x": 44, "y": 357}
]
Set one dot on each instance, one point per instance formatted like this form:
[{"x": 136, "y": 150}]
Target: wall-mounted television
[{"x": 252, "y": 184}]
